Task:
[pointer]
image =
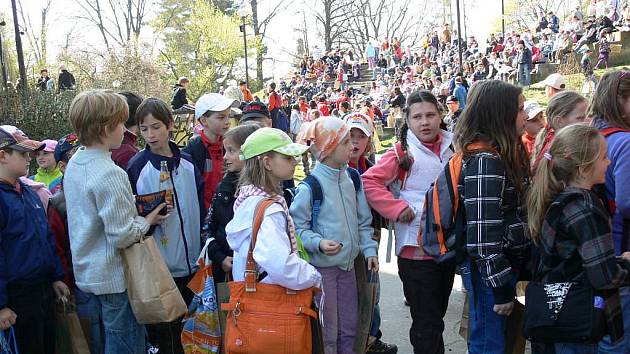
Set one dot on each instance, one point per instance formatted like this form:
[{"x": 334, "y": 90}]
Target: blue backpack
[{"x": 317, "y": 195}]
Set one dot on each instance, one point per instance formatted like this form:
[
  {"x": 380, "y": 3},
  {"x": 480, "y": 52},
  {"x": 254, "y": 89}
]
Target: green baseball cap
[{"x": 270, "y": 139}]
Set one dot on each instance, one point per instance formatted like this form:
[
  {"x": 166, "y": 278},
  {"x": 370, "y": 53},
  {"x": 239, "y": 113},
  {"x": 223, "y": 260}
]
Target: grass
[{"x": 574, "y": 83}]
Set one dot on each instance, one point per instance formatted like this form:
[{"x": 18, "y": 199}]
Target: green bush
[{"x": 41, "y": 114}]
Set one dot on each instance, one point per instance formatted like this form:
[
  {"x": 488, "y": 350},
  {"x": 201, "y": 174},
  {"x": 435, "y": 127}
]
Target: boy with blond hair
[
  {"x": 102, "y": 216},
  {"x": 30, "y": 271}
]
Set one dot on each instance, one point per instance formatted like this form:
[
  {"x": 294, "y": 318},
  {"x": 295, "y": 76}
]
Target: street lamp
[{"x": 244, "y": 11}]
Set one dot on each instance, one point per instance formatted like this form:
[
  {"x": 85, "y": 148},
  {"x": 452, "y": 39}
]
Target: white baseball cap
[
  {"x": 359, "y": 121},
  {"x": 532, "y": 109},
  {"x": 214, "y": 102},
  {"x": 556, "y": 81}
]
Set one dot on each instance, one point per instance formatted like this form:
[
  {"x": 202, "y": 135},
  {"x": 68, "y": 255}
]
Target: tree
[
  {"x": 118, "y": 21},
  {"x": 200, "y": 42},
  {"x": 37, "y": 41},
  {"x": 331, "y": 17},
  {"x": 260, "y": 24},
  {"x": 374, "y": 19},
  {"x": 521, "y": 14}
]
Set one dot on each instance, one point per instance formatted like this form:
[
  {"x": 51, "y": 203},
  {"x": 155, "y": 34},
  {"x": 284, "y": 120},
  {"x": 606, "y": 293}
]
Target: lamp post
[
  {"x": 2, "y": 64},
  {"x": 244, "y": 11},
  {"x": 18, "y": 47},
  {"x": 459, "y": 38}
]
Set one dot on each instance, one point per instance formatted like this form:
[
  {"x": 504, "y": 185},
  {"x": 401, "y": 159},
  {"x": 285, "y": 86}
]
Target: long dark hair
[
  {"x": 490, "y": 116},
  {"x": 413, "y": 98}
]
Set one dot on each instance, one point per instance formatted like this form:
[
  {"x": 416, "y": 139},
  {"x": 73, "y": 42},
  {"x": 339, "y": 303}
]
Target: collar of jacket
[
  {"x": 325, "y": 171},
  {"x": 172, "y": 162}
]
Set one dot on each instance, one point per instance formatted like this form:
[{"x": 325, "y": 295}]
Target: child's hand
[
  {"x": 61, "y": 289},
  {"x": 406, "y": 216},
  {"x": 154, "y": 218},
  {"x": 7, "y": 318},
  {"x": 329, "y": 248},
  {"x": 372, "y": 263},
  {"x": 226, "y": 265}
]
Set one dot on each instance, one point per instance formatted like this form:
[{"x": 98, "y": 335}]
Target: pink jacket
[
  {"x": 39, "y": 189},
  {"x": 376, "y": 185}
]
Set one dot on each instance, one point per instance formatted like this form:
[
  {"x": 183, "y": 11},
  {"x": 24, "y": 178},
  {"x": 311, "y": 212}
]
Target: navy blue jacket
[{"x": 27, "y": 246}]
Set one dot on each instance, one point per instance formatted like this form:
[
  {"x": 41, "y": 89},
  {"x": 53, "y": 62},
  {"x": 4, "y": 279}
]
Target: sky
[{"x": 63, "y": 18}]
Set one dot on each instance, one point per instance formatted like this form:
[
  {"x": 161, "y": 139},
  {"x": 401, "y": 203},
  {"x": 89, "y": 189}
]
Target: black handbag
[{"x": 563, "y": 312}]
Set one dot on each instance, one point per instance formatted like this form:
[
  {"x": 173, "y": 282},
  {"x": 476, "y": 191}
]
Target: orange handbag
[{"x": 267, "y": 318}]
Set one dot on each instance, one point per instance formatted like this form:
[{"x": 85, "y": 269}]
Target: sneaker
[{"x": 380, "y": 347}]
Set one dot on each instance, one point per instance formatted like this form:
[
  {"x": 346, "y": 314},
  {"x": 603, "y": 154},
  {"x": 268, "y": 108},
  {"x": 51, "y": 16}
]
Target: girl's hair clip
[{"x": 548, "y": 156}]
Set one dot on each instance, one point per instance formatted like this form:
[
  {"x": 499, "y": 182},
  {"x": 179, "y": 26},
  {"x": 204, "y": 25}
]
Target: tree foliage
[{"x": 200, "y": 42}]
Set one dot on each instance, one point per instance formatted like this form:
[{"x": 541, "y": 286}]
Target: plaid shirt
[
  {"x": 497, "y": 237},
  {"x": 576, "y": 245}
]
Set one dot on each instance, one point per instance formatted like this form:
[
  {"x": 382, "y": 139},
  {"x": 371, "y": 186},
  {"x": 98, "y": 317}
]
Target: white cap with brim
[
  {"x": 532, "y": 109},
  {"x": 556, "y": 81},
  {"x": 359, "y": 121},
  {"x": 214, "y": 102}
]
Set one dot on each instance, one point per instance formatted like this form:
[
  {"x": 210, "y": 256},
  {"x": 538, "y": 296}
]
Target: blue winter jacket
[
  {"x": 617, "y": 184},
  {"x": 27, "y": 246},
  {"x": 344, "y": 217}
]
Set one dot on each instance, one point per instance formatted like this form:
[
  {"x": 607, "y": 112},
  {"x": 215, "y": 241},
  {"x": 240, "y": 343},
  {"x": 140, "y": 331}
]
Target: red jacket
[
  {"x": 58, "y": 226},
  {"x": 323, "y": 109},
  {"x": 126, "y": 151}
]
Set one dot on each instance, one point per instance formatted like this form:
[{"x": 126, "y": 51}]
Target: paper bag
[
  {"x": 69, "y": 334},
  {"x": 153, "y": 295}
]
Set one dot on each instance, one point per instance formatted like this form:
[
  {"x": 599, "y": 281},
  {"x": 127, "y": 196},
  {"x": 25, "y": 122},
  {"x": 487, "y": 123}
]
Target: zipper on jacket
[
  {"x": 181, "y": 223},
  {"x": 345, "y": 215}
]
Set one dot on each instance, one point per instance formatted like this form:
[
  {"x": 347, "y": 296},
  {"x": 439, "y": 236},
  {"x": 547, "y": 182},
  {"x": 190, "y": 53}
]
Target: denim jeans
[
  {"x": 524, "y": 75},
  {"x": 123, "y": 334},
  {"x": 34, "y": 305},
  {"x": 575, "y": 348},
  {"x": 89, "y": 307},
  {"x": 623, "y": 346},
  {"x": 487, "y": 330}
]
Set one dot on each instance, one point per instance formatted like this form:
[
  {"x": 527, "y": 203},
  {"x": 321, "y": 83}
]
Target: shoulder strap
[
  {"x": 251, "y": 273},
  {"x": 317, "y": 197},
  {"x": 355, "y": 177},
  {"x": 610, "y": 131}
]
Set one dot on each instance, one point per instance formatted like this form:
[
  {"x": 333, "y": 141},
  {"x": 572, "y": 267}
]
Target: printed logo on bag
[{"x": 556, "y": 294}]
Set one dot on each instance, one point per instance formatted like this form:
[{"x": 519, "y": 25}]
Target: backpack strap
[
  {"x": 355, "y": 177},
  {"x": 251, "y": 271},
  {"x": 317, "y": 197}
]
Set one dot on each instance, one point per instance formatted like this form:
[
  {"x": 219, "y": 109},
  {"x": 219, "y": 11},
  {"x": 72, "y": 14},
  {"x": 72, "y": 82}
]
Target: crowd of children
[{"x": 542, "y": 192}]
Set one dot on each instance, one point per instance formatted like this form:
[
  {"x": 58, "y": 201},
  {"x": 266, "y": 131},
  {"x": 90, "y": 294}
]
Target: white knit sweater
[{"x": 102, "y": 219}]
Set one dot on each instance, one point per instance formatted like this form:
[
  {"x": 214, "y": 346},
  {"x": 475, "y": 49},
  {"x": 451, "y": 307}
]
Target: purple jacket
[{"x": 618, "y": 184}]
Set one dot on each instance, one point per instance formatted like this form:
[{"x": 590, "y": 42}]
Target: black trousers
[
  {"x": 427, "y": 286},
  {"x": 34, "y": 305},
  {"x": 167, "y": 336}
]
